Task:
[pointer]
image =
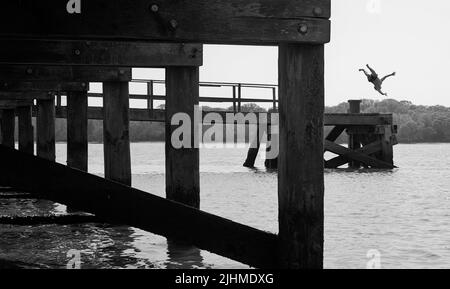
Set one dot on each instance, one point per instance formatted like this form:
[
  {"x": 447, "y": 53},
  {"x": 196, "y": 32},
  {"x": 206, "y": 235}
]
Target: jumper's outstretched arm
[
  {"x": 387, "y": 76},
  {"x": 372, "y": 71},
  {"x": 365, "y": 72}
]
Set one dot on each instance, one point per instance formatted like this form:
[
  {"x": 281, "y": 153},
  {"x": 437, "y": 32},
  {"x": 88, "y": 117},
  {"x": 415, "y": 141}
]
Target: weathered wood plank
[
  {"x": 333, "y": 119},
  {"x": 77, "y": 130},
  {"x": 300, "y": 161},
  {"x": 200, "y": 21},
  {"x": 342, "y": 160},
  {"x": 116, "y": 132},
  {"x": 26, "y": 132},
  {"x": 99, "y": 53},
  {"x": 8, "y": 125},
  {"x": 45, "y": 123},
  {"x": 15, "y": 97},
  {"x": 182, "y": 163},
  {"x": 117, "y": 203},
  {"x": 356, "y": 155},
  {"x": 28, "y": 73},
  {"x": 37, "y": 86},
  {"x": 335, "y": 133}
]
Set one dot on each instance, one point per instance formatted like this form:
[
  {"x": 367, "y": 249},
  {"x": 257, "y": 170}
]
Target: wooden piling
[
  {"x": 182, "y": 165},
  {"x": 354, "y": 142},
  {"x": 254, "y": 147},
  {"x": 116, "y": 135},
  {"x": 26, "y": 133},
  {"x": 272, "y": 141},
  {"x": 8, "y": 127},
  {"x": 46, "y": 147},
  {"x": 77, "y": 130},
  {"x": 300, "y": 168}
]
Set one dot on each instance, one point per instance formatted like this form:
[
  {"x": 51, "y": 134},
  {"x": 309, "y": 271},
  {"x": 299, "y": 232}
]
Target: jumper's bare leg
[
  {"x": 381, "y": 92},
  {"x": 387, "y": 76}
]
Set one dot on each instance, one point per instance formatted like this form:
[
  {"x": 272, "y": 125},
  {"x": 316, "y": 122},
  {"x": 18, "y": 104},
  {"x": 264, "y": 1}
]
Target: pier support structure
[
  {"x": 26, "y": 130},
  {"x": 77, "y": 130}
]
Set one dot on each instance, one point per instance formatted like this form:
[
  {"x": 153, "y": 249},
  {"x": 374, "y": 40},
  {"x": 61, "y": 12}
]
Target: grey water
[{"x": 403, "y": 214}]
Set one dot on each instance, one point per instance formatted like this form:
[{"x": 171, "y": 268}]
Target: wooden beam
[
  {"x": 15, "y": 97},
  {"x": 8, "y": 124},
  {"x": 39, "y": 86},
  {"x": 26, "y": 133},
  {"x": 28, "y": 73},
  {"x": 300, "y": 162},
  {"x": 116, "y": 132},
  {"x": 182, "y": 163},
  {"x": 333, "y": 119},
  {"x": 356, "y": 155},
  {"x": 200, "y": 21},
  {"x": 342, "y": 160},
  {"x": 46, "y": 147},
  {"x": 117, "y": 203},
  {"x": 335, "y": 133},
  {"x": 77, "y": 130},
  {"x": 99, "y": 53}
]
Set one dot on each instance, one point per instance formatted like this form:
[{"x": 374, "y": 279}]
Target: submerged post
[
  {"x": 182, "y": 164},
  {"x": 77, "y": 130},
  {"x": 300, "y": 167},
  {"x": 8, "y": 127},
  {"x": 46, "y": 129},
  {"x": 26, "y": 134},
  {"x": 116, "y": 135},
  {"x": 354, "y": 142}
]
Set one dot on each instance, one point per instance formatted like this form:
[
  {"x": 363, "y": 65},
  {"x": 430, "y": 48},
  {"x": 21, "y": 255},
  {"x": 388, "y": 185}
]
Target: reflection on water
[{"x": 403, "y": 213}]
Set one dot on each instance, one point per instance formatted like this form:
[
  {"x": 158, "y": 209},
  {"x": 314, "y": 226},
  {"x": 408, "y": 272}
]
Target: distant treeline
[{"x": 416, "y": 123}]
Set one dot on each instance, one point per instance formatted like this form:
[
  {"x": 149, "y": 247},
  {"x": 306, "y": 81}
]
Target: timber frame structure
[{"x": 47, "y": 49}]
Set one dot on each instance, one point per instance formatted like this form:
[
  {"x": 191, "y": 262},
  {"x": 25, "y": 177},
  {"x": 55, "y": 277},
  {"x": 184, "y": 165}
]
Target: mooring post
[
  {"x": 300, "y": 168},
  {"x": 77, "y": 130},
  {"x": 116, "y": 132},
  {"x": 182, "y": 164},
  {"x": 255, "y": 144},
  {"x": 8, "y": 126},
  {"x": 354, "y": 142},
  {"x": 45, "y": 123},
  {"x": 272, "y": 144},
  {"x": 26, "y": 133}
]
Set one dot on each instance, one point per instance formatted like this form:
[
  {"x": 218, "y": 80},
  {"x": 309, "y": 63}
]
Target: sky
[{"x": 409, "y": 37}]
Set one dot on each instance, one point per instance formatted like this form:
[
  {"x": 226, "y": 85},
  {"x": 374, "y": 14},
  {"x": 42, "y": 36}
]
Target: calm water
[{"x": 404, "y": 214}]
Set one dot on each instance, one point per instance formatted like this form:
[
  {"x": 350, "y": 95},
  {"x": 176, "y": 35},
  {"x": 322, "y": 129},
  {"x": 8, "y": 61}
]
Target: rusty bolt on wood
[
  {"x": 77, "y": 52},
  {"x": 29, "y": 71},
  {"x": 154, "y": 8},
  {"x": 303, "y": 28},
  {"x": 173, "y": 23},
  {"x": 318, "y": 11}
]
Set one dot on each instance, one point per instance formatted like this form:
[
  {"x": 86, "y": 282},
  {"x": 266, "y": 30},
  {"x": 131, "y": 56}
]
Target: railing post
[
  {"x": 239, "y": 97},
  {"x": 182, "y": 163},
  {"x": 8, "y": 124},
  {"x": 354, "y": 142},
  {"x": 234, "y": 99},
  {"x": 274, "y": 95},
  {"x": 26, "y": 134},
  {"x": 77, "y": 130},
  {"x": 300, "y": 167},
  {"x": 150, "y": 95},
  {"x": 116, "y": 132}
]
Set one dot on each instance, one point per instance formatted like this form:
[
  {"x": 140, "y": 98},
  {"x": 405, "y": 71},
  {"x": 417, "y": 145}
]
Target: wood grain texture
[
  {"x": 37, "y": 86},
  {"x": 116, "y": 132},
  {"x": 77, "y": 130},
  {"x": 45, "y": 125},
  {"x": 300, "y": 161},
  {"x": 336, "y": 162},
  {"x": 182, "y": 164},
  {"x": 99, "y": 53},
  {"x": 117, "y": 203},
  {"x": 26, "y": 131},
  {"x": 200, "y": 21},
  {"x": 29, "y": 73},
  {"x": 15, "y": 97}
]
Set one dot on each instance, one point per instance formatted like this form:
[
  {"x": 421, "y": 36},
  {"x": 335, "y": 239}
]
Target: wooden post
[
  {"x": 46, "y": 129},
  {"x": 254, "y": 147},
  {"x": 150, "y": 95},
  {"x": 274, "y": 96},
  {"x": 387, "y": 146},
  {"x": 300, "y": 168},
  {"x": 272, "y": 141},
  {"x": 77, "y": 130},
  {"x": 8, "y": 124},
  {"x": 116, "y": 135},
  {"x": 234, "y": 99},
  {"x": 353, "y": 139},
  {"x": 239, "y": 97},
  {"x": 182, "y": 165},
  {"x": 26, "y": 133}
]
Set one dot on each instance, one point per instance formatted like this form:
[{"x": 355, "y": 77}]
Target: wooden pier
[{"x": 47, "y": 50}]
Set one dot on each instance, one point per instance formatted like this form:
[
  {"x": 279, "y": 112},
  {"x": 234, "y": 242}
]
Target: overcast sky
[{"x": 409, "y": 37}]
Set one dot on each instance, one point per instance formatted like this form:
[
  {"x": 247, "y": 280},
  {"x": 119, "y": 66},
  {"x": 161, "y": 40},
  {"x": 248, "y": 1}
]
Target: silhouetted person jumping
[{"x": 373, "y": 78}]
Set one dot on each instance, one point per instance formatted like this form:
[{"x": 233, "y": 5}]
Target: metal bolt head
[
  {"x": 121, "y": 72},
  {"x": 318, "y": 11},
  {"x": 77, "y": 52},
  {"x": 303, "y": 28},
  {"x": 173, "y": 23},
  {"x": 154, "y": 8},
  {"x": 83, "y": 84},
  {"x": 29, "y": 71}
]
